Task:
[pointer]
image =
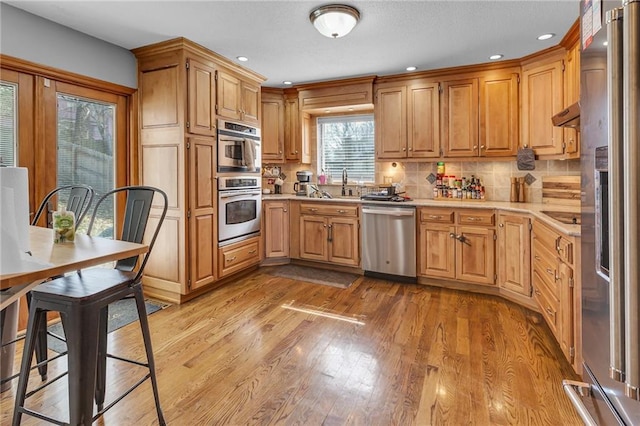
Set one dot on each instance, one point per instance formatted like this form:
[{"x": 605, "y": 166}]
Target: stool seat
[{"x": 86, "y": 286}]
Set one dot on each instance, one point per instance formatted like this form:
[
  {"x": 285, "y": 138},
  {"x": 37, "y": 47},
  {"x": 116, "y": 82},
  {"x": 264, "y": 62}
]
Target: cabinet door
[
  {"x": 460, "y": 118},
  {"x": 292, "y": 134},
  {"x": 541, "y": 99},
  {"x": 276, "y": 232},
  {"x": 499, "y": 118},
  {"x": 514, "y": 253},
  {"x": 229, "y": 96},
  {"x": 475, "y": 255},
  {"x": 391, "y": 122},
  {"x": 250, "y": 103},
  {"x": 202, "y": 205},
  {"x": 305, "y": 143},
  {"x": 572, "y": 95},
  {"x": 565, "y": 276},
  {"x": 201, "y": 93},
  {"x": 313, "y": 238},
  {"x": 437, "y": 251},
  {"x": 344, "y": 241},
  {"x": 423, "y": 121},
  {"x": 273, "y": 130}
]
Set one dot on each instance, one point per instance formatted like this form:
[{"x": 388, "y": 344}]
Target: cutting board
[{"x": 561, "y": 190}]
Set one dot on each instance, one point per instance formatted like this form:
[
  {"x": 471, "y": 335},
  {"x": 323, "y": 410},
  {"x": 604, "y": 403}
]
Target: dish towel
[
  {"x": 249, "y": 155},
  {"x": 526, "y": 159}
]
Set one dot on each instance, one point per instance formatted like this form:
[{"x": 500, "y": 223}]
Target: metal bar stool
[
  {"x": 82, "y": 300},
  {"x": 78, "y": 202}
]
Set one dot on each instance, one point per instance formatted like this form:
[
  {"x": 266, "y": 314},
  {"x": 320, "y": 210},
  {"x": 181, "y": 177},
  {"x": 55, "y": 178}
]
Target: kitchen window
[{"x": 347, "y": 142}]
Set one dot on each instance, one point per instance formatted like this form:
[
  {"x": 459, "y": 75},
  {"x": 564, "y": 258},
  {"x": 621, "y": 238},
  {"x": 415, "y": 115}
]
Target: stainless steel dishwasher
[{"x": 389, "y": 241}]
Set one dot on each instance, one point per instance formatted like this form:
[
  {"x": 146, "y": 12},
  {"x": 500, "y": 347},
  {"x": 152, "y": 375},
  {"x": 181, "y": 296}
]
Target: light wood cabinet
[
  {"x": 451, "y": 248},
  {"x": 499, "y": 114},
  {"x": 239, "y": 256},
  {"x": 407, "y": 120},
  {"x": 514, "y": 253},
  {"x": 330, "y": 233},
  {"x": 542, "y": 97},
  {"x": 571, "y": 96},
  {"x": 177, "y": 97},
  {"x": 276, "y": 229},
  {"x": 297, "y": 141},
  {"x": 272, "y": 127},
  {"x": 460, "y": 118},
  {"x": 337, "y": 95},
  {"x": 554, "y": 285},
  {"x": 238, "y": 99}
]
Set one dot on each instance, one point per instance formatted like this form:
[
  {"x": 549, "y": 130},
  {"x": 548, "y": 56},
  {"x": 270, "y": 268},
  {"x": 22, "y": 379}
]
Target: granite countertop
[{"x": 534, "y": 209}]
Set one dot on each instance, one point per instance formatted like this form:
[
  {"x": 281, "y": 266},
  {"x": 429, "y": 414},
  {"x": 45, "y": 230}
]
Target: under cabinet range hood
[{"x": 569, "y": 117}]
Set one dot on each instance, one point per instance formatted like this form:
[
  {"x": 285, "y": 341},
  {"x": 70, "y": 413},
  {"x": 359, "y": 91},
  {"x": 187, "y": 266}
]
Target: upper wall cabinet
[
  {"x": 237, "y": 99},
  {"x": 542, "y": 97},
  {"x": 499, "y": 113},
  {"x": 201, "y": 98},
  {"x": 272, "y": 126},
  {"x": 571, "y": 96},
  {"x": 407, "y": 120},
  {"x": 297, "y": 143},
  {"x": 460, "y": 118},
  {"x": 343, "y": 95}
]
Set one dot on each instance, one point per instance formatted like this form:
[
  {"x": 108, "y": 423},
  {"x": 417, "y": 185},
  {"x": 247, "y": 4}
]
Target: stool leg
[
  {"x": 146, "y": 335},
  {"x": 101, "y": 373},
  {"x": 80, "y": 327},
  {"x": 36, "y": 316}
]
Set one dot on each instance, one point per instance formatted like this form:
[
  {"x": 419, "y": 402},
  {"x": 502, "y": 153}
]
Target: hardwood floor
[{"x": 270, "y": 350}]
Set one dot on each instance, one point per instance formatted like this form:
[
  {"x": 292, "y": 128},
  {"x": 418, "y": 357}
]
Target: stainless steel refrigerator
[{"x": 610, "y": 242}]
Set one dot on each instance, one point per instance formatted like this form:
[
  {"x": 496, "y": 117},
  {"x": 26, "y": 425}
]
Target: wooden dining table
[{"x": 49, "y": 260}]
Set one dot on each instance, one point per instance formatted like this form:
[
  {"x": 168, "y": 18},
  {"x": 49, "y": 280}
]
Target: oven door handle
[{"x": 235, "y": 194}]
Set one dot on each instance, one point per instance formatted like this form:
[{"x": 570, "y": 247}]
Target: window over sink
[{"x": 347, "y": 142}]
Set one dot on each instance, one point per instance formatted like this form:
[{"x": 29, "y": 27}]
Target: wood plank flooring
[{"x": 377, "y": 353}]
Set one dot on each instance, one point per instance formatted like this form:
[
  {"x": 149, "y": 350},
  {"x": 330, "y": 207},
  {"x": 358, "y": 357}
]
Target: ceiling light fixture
[
  {"x": 495, "y": 57},
  {"x": 411, "y": 68},
  {"x": 334, "y": 20},
  {"x": 242, "y": 58},
  {"x": 546, "y": 36},
  {"x": 288, "y": 83}
]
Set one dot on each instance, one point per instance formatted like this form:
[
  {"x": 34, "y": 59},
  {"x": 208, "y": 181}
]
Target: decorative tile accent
[
  {"x": 529, "y": 178},
  {"x": 431, "y": 178}
]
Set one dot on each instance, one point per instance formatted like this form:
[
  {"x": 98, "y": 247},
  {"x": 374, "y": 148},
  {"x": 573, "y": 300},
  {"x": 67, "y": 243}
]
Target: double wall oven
[{"x": 239, "y": 182}]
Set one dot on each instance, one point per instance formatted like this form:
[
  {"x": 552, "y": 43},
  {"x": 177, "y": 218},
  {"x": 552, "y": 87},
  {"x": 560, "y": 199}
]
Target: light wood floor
[{"x": 378, "y": 353}]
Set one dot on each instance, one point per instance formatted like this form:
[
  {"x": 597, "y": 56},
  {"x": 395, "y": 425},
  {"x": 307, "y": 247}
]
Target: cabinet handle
[
  {"x": 330, "y": 236},
  {"x": 253, "y": 251},
  {"x": 536, "y": 257},
  {"x": 473, "y": 219},
  {"x": 432, "y": 216},
  {"x": 313, "y": 209},
  {"x": 342, "y": 211},
  {"x": 231, "y": 259},
  {"x": 550, "y": 312}
]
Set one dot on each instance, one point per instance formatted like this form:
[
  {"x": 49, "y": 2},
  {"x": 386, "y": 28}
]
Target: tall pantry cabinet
[{"x": 177, "y": 153}]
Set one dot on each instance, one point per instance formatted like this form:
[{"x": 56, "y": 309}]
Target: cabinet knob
[
  {"x": 410, "y": 149},
  {"x": 404, "y": 149},
  {"x": 481, "y": 146},
  {"x": 342, "y": 211},
  {"x": 284, "y": 210},
  {"x": 475, "y": 147},
  {"x": 501, "y": 225},
  {"x": 296, "y": 151}
]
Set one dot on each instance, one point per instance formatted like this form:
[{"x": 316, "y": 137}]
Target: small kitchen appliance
[{"x": 301, "y": 187}]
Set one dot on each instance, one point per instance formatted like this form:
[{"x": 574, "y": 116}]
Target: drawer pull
[
  {"x": 537, "y": 257},
  {"x": 550, "y": 312},
  {"x": 473, "y": 219},
  {"x": 253, "y": 251},
  {"x": 433, "y": 216},
  {"x": 313, "y": 209},
  {"x": 231, "y": 259},
  {"x": 342, "y": 211},
  {"x": 537, "y": 292}
]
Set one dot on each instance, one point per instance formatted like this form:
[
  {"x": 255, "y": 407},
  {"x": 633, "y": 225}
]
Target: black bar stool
[{"x": 82, "y": 300}]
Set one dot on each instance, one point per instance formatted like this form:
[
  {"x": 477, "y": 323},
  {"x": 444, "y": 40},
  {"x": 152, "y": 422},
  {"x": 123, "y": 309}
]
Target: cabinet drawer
[
  {"x": 549, "y": 306},
  {"x": 329, "y": 209},
  {"x": 436, "y": 215},
  {"x": 476, "y": 217},
  {"x": 564, "y": 248},
  {"x": 546, "y": 265},
  {"x": 235, "y": 257}
]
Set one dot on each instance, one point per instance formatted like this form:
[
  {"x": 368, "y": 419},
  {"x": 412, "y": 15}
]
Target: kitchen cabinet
[
  {"x": 238, "y": 99},
  {"x": 296, "y": 132},
  {"x": 542, "y": 97},
  {"x": 177, "y": 153},
  {"x": 407, "y": 120},
  {"x": 554, "y": 285},
  {"x": 460, "y": 118},
  {"x": 457, "y": 244},
  {"x": 276, "y": 229},
  {"x": 337, "y": 95},
  {"x": 238, "y": 256},
  {"x": 514, "y": 253},
  {"x": 272, "y": 127},
  {"x": 499, "y": 113},
  {"x": 329, "y": 233},
  {"x": 571, "y": 96}
]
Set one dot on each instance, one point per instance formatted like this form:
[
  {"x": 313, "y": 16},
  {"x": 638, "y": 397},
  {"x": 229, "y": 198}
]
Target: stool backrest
[
  {"x": 139, "y": 201},
  {"x": 80, "y": 197}
]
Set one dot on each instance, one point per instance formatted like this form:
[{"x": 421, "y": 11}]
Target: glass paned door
[
  {"x": 86, "y": 153},
  {"x": 8, "y": 123}
]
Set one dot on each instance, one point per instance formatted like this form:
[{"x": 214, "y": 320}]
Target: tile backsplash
[{"x": 495, "y": 175}]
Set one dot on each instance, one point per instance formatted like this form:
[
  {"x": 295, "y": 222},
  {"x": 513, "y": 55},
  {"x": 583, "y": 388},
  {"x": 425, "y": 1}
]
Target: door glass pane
[
  {"x": 8, "y": 123},
  {"x": 86, "y": 146}
]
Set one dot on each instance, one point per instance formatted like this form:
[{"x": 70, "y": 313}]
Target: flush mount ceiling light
[{"x": 334, "y": 20}]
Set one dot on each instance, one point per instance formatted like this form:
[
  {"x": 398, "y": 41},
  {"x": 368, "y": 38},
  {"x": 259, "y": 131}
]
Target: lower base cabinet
[
  {"x": 276, "y": 229},
  {"x": 238, "y": 256},
  {"x": 514, "y": 253}
]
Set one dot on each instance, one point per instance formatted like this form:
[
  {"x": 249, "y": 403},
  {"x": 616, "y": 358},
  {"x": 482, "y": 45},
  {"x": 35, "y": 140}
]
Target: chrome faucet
[{"x": 344, "y": 181}]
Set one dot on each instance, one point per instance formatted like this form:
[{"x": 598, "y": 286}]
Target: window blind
[{"x": 8, "y": 123}]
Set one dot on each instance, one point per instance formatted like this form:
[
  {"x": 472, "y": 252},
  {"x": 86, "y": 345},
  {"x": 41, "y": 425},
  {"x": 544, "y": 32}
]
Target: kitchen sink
[{"x": 564, "y": 217}]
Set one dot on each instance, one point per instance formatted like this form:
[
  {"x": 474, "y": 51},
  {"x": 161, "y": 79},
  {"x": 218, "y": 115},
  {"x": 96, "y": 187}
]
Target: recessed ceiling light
[
  {"x": 494, "y": 57},
  {"x": 242, "y": 58},
  {"x": 411, "y": 68},
  {"x": 605, "y": 43},
  {"x": 288, "y": 83},
  {"x": 546, "y": 36}
]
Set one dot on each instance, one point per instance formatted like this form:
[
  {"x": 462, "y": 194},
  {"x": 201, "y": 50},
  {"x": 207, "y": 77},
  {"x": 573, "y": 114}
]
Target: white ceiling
[{"x": 282, "y": 44}]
